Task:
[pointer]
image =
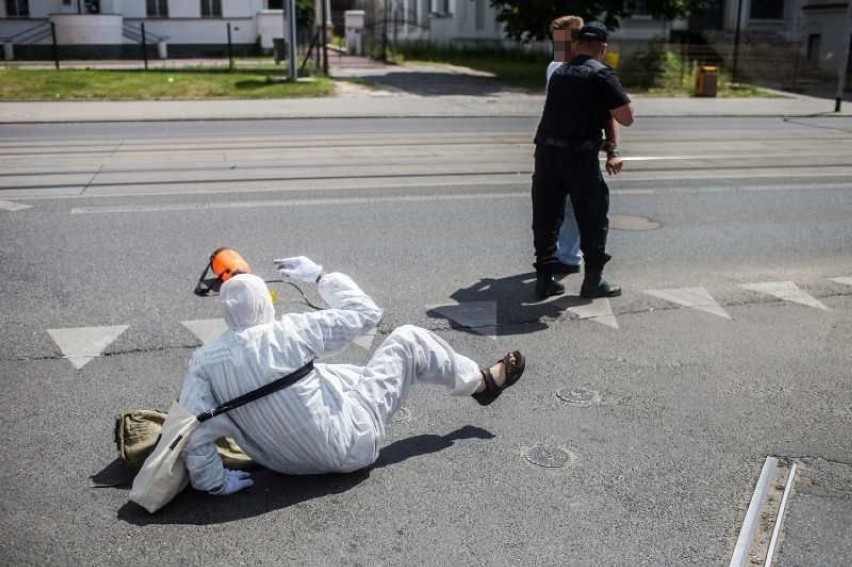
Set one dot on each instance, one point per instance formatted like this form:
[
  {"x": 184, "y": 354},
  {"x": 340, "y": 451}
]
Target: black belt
[
  {"x": 569, "y": 145},
  {"x": 559, "y": 143}
]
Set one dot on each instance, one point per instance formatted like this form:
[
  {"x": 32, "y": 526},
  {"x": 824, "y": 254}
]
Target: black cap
[{"x": 593, "y": 31}]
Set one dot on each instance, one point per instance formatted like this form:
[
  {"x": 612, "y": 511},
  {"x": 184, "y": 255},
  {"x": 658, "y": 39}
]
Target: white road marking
[
  {"x": 366, "y": 341},
  {"x": 296, "y": 203},
  {"x": 844, "y": 280},
  {"x": 12, "y": 206},
  {"x": 479, "y": 316},
  {"x": 599, "y": 311},
  {"x": 692, "y": 297},
  {"x": 206, "y": 329},
  {"x": 81, "y": 345},
  {"x": 787, "y": 291}
]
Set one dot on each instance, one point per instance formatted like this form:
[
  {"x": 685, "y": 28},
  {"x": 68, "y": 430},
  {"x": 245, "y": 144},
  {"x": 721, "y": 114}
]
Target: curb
[{"x": 390, "y": 116}]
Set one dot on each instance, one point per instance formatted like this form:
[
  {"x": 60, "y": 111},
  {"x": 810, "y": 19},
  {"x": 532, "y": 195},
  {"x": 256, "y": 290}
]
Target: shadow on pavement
[
  {"x": 426, "y": 83},
  {"x": 273, "y": 491},
  {"x": 513, "y": 304}
]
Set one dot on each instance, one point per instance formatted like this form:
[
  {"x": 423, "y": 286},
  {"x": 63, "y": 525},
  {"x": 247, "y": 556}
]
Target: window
[
  {"x": 275, "y": 5},
  {"x": 767, "y": 10},
  {"x": 441, "y": 6},
  {"x": 640, "y": 8},
  {"x": 158, "y": 8},
  {"x": 480, "y": 15},
  {"x": 17, "y": 8},
  {"x": 813, "y": 47},
  {"x": 211, "y": 8}
]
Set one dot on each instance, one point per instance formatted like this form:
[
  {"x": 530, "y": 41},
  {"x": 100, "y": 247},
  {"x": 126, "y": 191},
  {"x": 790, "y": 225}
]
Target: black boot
[
  {"x": 546, "y": 286},
  {"x": 594, "y": 286}
]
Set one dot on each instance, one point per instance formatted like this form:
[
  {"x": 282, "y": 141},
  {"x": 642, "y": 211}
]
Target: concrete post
[
  {"x": 162, "y": 50},
  {"x": 8, "y": 51}
]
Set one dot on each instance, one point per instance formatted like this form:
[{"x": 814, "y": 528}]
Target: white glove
[
  {"x": 234, "y": 482},
  {"x": 299, "y": 268}
]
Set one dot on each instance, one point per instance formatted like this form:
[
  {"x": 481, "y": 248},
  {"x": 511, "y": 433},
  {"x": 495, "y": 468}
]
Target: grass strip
[{"x": 155, "y": 84}]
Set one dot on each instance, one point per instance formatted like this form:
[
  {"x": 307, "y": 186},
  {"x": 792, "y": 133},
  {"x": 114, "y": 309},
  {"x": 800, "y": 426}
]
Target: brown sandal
[{"x": 513, "y": 373}]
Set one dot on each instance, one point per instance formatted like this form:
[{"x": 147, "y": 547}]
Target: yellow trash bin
[{"x": 706, "y": 81}]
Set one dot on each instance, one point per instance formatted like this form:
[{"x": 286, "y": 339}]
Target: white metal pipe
[
  {"x": 740, "y": 556},
  {"x": 776, "y": 531}
]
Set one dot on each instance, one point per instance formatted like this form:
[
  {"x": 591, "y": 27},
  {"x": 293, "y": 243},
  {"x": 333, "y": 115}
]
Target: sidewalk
[
  {"x": 386, "y": 105},
  {"x": 432, "y": 91}
]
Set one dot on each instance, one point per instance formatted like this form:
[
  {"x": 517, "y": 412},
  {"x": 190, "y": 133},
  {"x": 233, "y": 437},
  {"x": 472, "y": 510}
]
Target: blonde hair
[{"x": 573, "y": 23}]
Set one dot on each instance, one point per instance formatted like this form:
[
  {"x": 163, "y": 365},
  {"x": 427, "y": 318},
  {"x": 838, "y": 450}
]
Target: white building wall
[
  {"x": 832, "y": 27},
  {"x": 185, "y": 8},
  {"x": 206, "y": 31},
  {"x": 270, "y": 24},
  {"x": 239, "y": 8},
  {"x": 136, "y": 9},
  {"x": 465, "y": 24}
]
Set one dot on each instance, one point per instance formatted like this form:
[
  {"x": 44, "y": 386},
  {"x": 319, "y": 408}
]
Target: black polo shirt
[{"x": 580, "y": 95}]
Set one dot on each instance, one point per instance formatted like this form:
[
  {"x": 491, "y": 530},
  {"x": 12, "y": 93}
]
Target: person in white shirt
[{"x": 334, "y": 419}]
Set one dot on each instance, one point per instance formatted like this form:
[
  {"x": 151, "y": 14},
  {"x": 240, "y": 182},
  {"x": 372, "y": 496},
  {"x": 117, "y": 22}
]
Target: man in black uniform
[{"x": 581, "y": 96}]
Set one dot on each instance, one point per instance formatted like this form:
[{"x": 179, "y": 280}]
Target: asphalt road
[{"x": 701, "y": 371}]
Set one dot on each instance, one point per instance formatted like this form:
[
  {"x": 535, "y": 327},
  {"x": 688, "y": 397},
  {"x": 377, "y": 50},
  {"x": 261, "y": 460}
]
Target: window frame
[
  {"x": 209, "y": 8},
  {"x": 17, "y": 8},
  {"x": 161, "y": 8}
]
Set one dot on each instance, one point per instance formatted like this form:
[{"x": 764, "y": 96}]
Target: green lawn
[{"x": 192, "y": 83}]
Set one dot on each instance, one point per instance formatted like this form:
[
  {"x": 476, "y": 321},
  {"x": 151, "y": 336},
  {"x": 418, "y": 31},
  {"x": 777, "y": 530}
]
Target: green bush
[{"x": 656, "y": 68}]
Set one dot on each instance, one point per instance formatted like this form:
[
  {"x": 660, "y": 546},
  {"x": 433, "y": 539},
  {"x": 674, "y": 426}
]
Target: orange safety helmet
[{"x": 225, "y": 263}]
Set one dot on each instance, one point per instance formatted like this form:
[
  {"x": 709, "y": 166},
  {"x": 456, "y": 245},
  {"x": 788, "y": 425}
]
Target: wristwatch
[{"x": 613, "y": 153}]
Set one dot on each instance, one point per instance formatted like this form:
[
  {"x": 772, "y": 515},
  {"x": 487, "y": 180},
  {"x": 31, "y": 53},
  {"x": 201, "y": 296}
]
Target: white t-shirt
[{"x": 551, "y": 68}]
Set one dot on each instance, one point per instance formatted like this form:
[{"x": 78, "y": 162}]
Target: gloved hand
[
  {"x": 234, "y": 482},
  {"x": 299, "y": 268}
]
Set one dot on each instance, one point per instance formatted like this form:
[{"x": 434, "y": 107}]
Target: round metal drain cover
[
  {"x": 579, "y": 397},
  {"x": 403, "y": 415},
  {"x": 548, "y": 457},
  {"x": 631, "y": 222}
]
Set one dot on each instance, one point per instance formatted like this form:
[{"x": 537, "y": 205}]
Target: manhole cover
[
  {"x": 579, "y": 397},
  {"x": 548, "y": 457},
  {"x": 403, "y": 415},
  {"x": 630, "y": 222}
]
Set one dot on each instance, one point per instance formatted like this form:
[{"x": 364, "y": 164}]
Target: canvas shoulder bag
[{"x": 163, "y": 474}]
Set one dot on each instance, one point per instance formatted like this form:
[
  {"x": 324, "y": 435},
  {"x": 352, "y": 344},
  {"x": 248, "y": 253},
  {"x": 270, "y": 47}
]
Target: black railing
[
  {"x": 30, "y": 35},
  {"x": 139, "y": 35}
]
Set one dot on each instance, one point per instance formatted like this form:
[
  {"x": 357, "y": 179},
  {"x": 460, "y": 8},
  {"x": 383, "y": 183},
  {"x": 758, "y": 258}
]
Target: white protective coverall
[{"x": 332, "y": 420}]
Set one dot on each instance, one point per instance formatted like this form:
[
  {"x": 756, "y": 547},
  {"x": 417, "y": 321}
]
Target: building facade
[
  {"x": 817, "y": 29},
  {"x": 112, "y": 28}
]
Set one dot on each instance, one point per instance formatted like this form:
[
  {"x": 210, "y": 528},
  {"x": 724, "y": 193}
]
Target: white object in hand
[{"x": 299, "y": 268}]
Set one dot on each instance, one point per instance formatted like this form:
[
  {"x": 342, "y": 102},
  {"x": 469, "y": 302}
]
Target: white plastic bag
[{"x": 163, "y": 475}]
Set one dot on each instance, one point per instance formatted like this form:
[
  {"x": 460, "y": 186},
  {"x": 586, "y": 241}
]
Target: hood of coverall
[{"x": 246, "y": 302}]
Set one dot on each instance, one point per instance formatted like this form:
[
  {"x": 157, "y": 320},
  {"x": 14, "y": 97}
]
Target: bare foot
[{"x": 498, "y": 372}]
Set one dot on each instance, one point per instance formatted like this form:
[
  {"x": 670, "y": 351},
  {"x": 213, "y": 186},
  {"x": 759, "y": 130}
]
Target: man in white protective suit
[{"x": 333, "y": 419}]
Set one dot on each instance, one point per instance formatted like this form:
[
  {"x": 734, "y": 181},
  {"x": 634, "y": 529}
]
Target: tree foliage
[{"x": 530, "y": 19}]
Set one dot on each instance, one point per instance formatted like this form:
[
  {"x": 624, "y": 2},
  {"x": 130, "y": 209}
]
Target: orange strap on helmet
[{"x": 225, "y": 263}]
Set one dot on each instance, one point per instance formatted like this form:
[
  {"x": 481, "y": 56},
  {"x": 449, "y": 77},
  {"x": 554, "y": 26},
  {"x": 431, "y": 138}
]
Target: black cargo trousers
[{"x": 562, "y": 173}]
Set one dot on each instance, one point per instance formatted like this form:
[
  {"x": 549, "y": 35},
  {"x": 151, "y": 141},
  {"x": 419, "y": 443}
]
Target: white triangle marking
[
  {"x": 13, "y": 206},
  {"x": 693, "y": 297},
  {"x": 206, "y": 329},
  {"x": 788, "y": 291},
  {"x": 599, "y": 311},
  {"x": 82, "y": 344},
  {"x": 847, "y": 281},
  {"x": 479, "y": 316},
  {"x": 365, "y": 341}
]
